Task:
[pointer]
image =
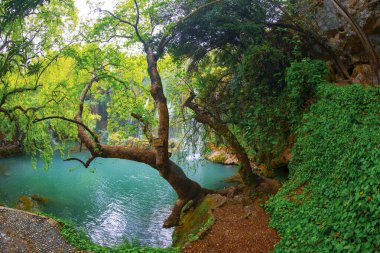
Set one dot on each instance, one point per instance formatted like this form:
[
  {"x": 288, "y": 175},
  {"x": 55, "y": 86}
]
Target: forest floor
[
  {"x": 241, "y": 225},
  {"x": 22, "y": 231}
]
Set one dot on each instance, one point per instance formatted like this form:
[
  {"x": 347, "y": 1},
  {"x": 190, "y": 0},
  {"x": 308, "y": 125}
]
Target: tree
[
  {"x": 236, "y": 54},
  {"x": 218, "y": 40},
  {"x": 128, "y": 22},
  {"x": 26, "y": 35}
]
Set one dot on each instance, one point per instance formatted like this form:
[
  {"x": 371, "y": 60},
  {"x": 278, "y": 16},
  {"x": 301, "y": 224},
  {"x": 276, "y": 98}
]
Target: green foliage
[
  {"x": 302, "y": 78},
  {"x": 274, "y": 109},
  {"x": 331, "y": 203}
]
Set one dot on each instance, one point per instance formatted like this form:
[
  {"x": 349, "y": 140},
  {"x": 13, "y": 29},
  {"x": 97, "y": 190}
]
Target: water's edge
[{"x": 113, "y": 200}]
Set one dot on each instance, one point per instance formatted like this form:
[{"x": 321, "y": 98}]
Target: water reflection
[{"x": 122, "y": 199}]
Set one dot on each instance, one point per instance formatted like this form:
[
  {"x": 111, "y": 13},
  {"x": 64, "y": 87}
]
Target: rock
[
  {"x": 223, "y": 157},
  {"x": 174, "y": 145},
  {"x": 26, "y": 232},
  {"x": 25, "y": 203},
  {"x": 236, "y": 178},
  {"x": 40, "y": 199},
  {"x": 217, "y": 157},
  {"x": 362, "y": 73},
  {"x": 10, "y": 150},
  {"x": 341, "y": 35},
  {"x": 195, "y": 222}
]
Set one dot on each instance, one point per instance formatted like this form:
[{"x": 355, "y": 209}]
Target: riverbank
[
  {"x": 234, "y": 223},
  {"x": 22, "y": 231},
  {"x": 220, "y": 224}
]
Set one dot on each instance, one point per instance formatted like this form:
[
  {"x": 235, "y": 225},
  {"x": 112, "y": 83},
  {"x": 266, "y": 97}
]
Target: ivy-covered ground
[{"x": 332, "y": 201}]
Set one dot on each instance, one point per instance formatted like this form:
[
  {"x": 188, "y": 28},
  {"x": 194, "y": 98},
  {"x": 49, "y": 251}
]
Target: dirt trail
[{"x": 240, "y": 226}]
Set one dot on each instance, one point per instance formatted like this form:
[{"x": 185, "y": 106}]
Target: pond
[{"x": 113, "y": 201}]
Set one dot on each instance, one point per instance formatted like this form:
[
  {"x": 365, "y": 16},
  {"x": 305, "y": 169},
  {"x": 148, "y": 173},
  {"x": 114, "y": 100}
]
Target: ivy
[{"x": 331, "y": 203}]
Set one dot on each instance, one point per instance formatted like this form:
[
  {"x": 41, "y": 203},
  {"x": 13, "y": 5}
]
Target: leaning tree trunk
[
  {"x": 245, "y": 169},
  {"x": 158, "y": 158}
]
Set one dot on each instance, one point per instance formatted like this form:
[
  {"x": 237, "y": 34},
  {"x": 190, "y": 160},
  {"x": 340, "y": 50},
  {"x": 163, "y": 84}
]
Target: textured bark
[
  {"x": 245, "y": 169},
  {"x": 162, "y": 142}
]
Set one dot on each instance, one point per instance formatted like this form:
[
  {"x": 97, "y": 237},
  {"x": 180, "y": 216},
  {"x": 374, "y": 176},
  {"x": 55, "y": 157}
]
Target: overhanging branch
[
  {"x": 72, "y": 121},
  {"x": 85, "y": 164}
]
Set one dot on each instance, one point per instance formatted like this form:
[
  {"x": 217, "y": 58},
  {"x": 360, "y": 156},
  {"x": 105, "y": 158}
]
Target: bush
[{"x": 331, "y": 202}]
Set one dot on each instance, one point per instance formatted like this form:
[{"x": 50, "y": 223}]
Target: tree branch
[
  {"x": 72, "y": 121},
  {"x": 85, "y": 164},
  {"x": 117, "y": 17},
  {"x": 146, "y": 128}
]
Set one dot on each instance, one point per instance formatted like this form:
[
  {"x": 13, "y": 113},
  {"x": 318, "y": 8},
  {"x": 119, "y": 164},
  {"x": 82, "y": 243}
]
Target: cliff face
[{"x": 344, "y": 39}]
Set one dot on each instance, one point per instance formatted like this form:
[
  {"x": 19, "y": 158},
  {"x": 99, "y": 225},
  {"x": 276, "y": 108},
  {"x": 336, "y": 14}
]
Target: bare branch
[
  {"x": 138, "y": 13},
  {"x": 85, "y": 164},
  {"x": 137, "y": 25},
  {"x": 117, "y": 17},
  {"x": 69, "y": 120}
]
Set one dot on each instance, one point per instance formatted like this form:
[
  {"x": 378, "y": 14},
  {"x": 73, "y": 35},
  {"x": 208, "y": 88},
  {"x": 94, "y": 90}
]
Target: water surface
[{"x": 114, "y": 200}]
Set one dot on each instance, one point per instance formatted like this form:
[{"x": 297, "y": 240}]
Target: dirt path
[
  {"x": 26, "y": 232},
  {"x": 240, "y": 226}
]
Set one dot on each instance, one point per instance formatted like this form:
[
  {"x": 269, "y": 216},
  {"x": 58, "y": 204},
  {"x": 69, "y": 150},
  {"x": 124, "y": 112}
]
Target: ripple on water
[{"x": 121, "y": 200}]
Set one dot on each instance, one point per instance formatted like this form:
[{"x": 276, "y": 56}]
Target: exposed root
[
  {"x": 174, "y": 217},
  {"x": 183, "y": 205}
]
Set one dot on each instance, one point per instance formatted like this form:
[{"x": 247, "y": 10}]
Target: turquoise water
[{"x": 113, "y": 201}]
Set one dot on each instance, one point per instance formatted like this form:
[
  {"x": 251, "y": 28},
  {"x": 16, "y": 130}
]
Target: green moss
[
  {"x": 217, "y": 157},
  {"x": 336, "y": 163},
  {"x": 195, "y": 222}
]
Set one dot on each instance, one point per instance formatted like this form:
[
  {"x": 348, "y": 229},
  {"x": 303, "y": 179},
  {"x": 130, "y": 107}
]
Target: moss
[
  {"x": 217, "y": 157},
  {"x": 195, "y": 222},
  {"x": 27, "y": 204}
]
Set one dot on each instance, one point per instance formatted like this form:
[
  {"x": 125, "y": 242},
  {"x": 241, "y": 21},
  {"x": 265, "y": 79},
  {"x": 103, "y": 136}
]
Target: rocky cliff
[{"x": 342, "y": 37}]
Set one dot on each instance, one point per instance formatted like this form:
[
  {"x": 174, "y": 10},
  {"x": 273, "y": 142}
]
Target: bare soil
[{"x": 240, "y": 226}]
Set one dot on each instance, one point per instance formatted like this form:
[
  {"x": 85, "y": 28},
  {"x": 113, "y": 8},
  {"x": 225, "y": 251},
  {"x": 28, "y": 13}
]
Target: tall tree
[{"x": 138, "y": 22}]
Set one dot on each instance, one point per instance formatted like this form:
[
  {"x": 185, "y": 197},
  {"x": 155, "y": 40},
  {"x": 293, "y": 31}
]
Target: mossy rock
[
  {"x": 195, "y": 222},
  {"x": 25, "y": 203},
  {"x": 9, "y": 151},
  {"x": 40, "y": 199},
  {"x": 217, "y": 157}
]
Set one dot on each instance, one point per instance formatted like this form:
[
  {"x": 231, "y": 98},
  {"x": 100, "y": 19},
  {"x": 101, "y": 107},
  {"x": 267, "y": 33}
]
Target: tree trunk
[
  {"x": 158, "y": 159},
  {"x": 245, "y": 169}
]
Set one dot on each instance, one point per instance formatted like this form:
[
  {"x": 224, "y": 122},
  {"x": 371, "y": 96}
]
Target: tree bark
[{"x": 245, "y": 168}]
